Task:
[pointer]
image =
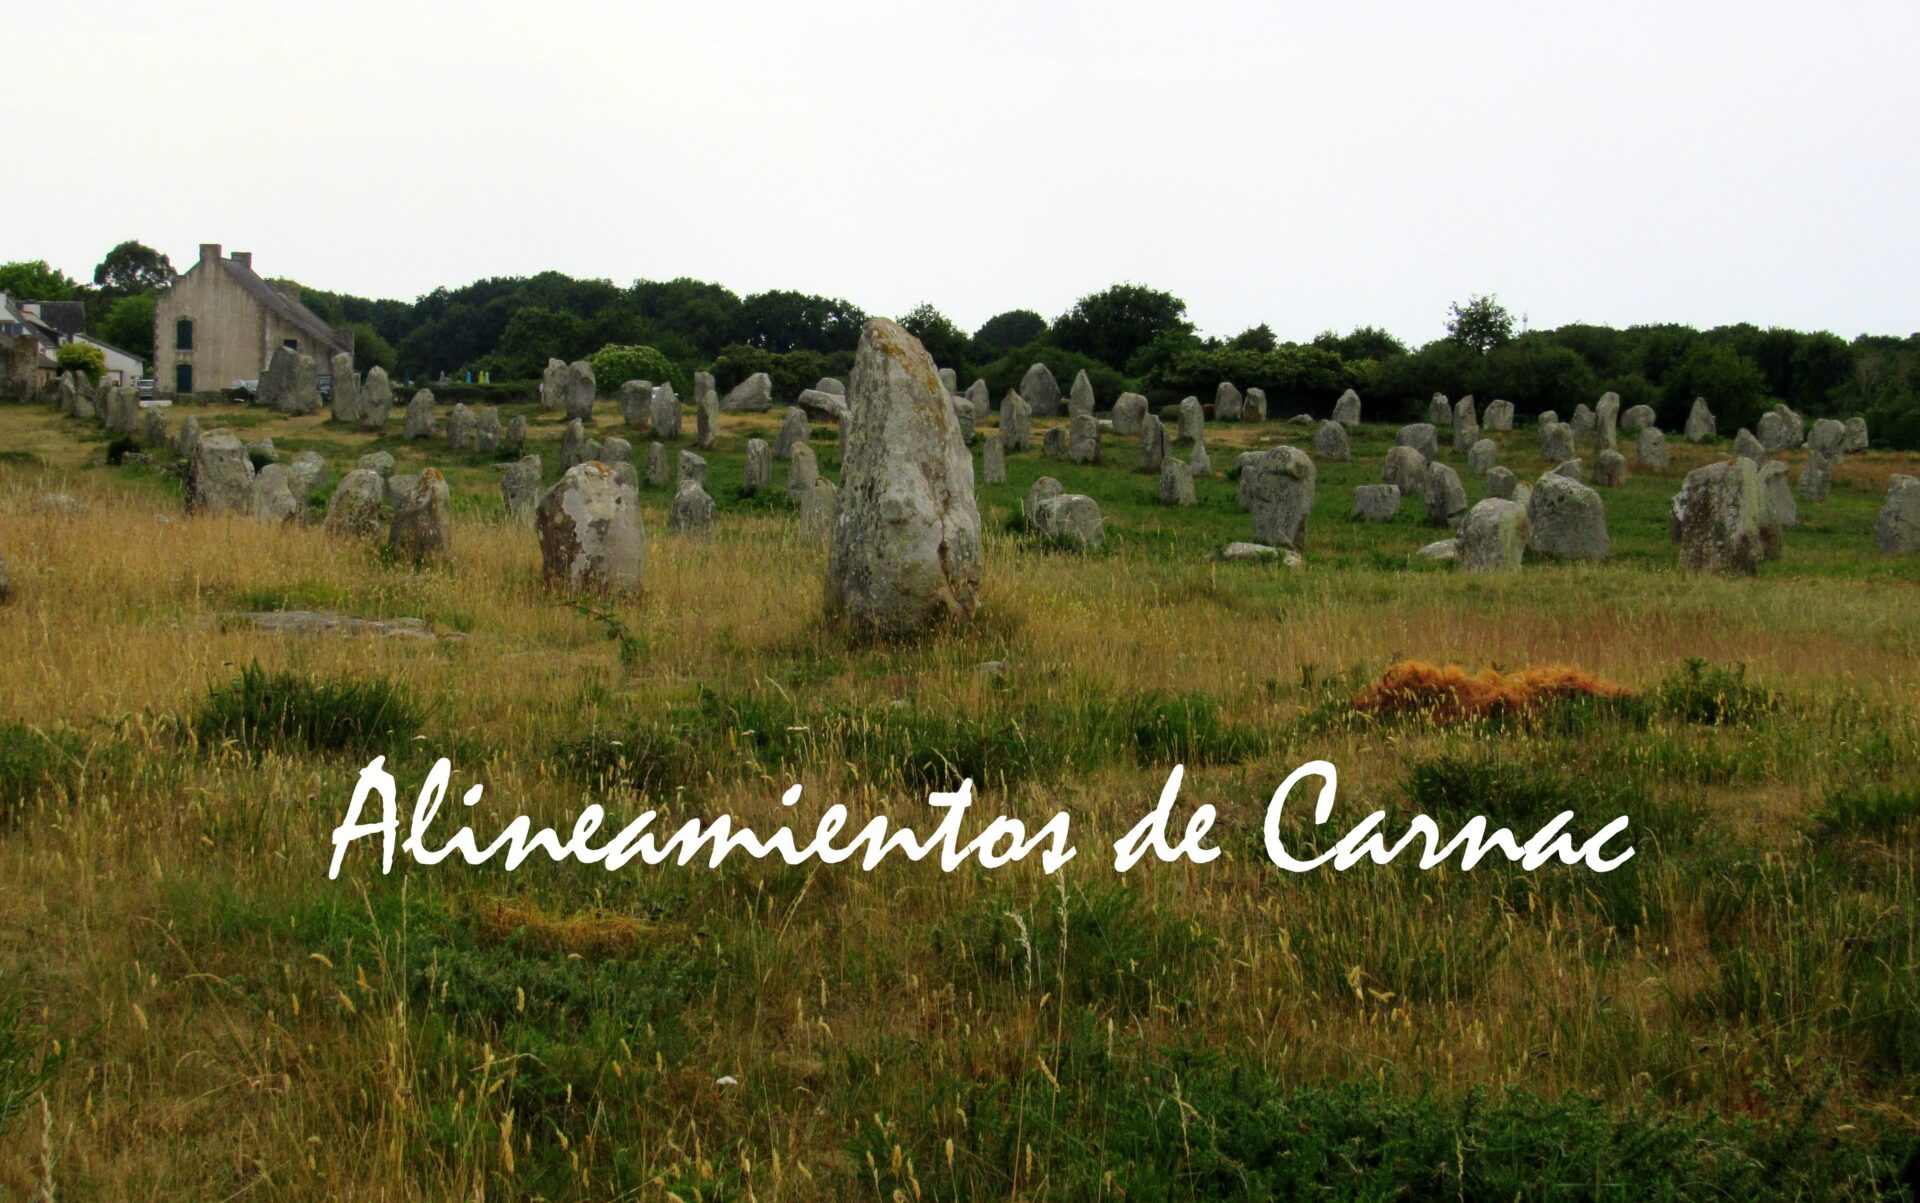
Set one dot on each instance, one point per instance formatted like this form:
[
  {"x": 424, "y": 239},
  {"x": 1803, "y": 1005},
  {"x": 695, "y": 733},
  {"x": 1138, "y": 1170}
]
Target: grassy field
[{"x": 189, "y": 1008}]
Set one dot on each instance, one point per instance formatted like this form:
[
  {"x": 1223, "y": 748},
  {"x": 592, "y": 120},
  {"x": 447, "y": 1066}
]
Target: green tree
[
  {"x": 1254, "y": 338},
  {"x": 780, "y": 321},
  {"x": 132, "y": 267},
  {"x": 81, "y": 357},
  {"x": 372, "y": 350},
  {"x": 1365, "y": 342},
  {"x": 535, "y": 335},
  {"x": 1482, "y": 324},
  {"x": 129, "y": 324},
  {"x": 1005, "y": 331},
  {"x": 1111, "y": 325},
  {"x": 35, "y": 280},
  {"x": 1733, "y": 385},
  {"x": 615, "y": 364},
  {"x": 946, "y": 342}
]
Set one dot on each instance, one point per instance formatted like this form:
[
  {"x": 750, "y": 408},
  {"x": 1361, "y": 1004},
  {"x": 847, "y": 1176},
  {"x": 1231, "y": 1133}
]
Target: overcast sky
[{"x": 1310, "y": 166}]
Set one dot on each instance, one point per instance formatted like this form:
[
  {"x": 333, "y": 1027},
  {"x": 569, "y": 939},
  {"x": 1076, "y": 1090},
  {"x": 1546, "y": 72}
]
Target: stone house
[{"x": 220, "y": 322}]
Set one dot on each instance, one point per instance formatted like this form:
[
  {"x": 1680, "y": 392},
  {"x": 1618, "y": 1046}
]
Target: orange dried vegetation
[
  {"x": 1449, "y": 694},
  {"x": 594, "y": 935}
]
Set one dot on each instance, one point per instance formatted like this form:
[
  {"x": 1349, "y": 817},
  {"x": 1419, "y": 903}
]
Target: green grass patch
[{"x": 261, "y": 710}]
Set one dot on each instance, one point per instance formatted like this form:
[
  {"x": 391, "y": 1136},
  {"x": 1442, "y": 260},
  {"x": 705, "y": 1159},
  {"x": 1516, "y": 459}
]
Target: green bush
[
  {"x": 81, "y": 357},
  {"x": 32, "y": 763},
  {"x": 261, "y": 710},
  {"x": 1711, "y": 696},
  {"x": 614, "y": 365}
]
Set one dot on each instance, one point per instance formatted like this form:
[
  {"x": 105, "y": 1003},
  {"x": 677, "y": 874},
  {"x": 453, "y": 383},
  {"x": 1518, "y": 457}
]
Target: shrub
[
  {"x": 32, "y": 763},
  {"x": 81, "y": 357},
  {"x": 1705, "y": 694},
  {"x": 24, "y": 1071},
  {"x": 1449, "y": 695},
  {"x": 261, "y": 710},
  {"x": 1876, "y": 810},
  {"x": 614, "y": 365}
]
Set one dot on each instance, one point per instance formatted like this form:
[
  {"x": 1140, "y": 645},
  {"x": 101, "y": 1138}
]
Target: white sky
[{"x": 1312, "y": 166}]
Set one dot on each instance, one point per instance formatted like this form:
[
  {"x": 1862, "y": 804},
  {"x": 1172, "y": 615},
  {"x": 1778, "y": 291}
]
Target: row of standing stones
[{"x": 903, "y": 528}]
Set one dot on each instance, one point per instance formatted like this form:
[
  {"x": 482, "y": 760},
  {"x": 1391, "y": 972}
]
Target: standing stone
[
  {"x": 1226, "y": 403},
  {"x": 1897, "y": 530},
  {"x": 1776, "y": 495},
  {"x": 400, "y": 486},
  {"x": 262, "y": 452},
  {"x": 591, "y": 539},
  {"x": 1701, "y": 426},
  {"x": 752, "y": 395},
  {"x": 1816, "y": 477},
  {"x": 573, "y": 445},
  {"x": 1610, "y": 469},
  {"x": 276, "y": 381},
  {"x": 758, "y": 477},
  {"x": 1772, "y": 431},
  {"x": 423, "y": 522},
  {"x": 635, "y": 399},
  {"x": 1466, "y": 425},
  {"x": 346, "y": 390},
  {"x": 1071, "y": 521},
  {"x": 520, "y": 489},
  {"x": 1637, "y": 419},
  {"x": 980, "y": 396},
  {"x": 1606, "y": 416},
  {"x": 1040, "y": 391},
  {"x": 307, "y": 475},
  {"x": 1651, "y": 447},
  {"x": 993, "y": 459},
  {"x": 830, "y": 407},
  {"x": 273, "y": 499},
  {"x": 354, "y": 509},
  {"x": 1153, "y": 442},
  {"x": 1176, "y": 484},
  {"x": 1547, "y": 420},
  {"x": 1199, "y": 461},
  {"x": 219, "y": 476},
  {"x": 1346, "y": 410},
  {"x": 1747, "y": 447},
  {"x": 376, "y": 399},
  {"x": 1253, "y": 407},
  {"x": 1406, "y": 470},
  {"x": 514, "y": 441},
  {"x": 949, "y": 380},
  {"x": 1040, "y": 490},
  {"x": 1573, "y": 469},
  {"x": 693, "y": 511},
  {"x": 706, "y": 412},
  {"x": 1376, "y": 503},
  {"x": 553, "y": 385},
  {"x": 1499, "y": 415},
  {"x": 803, "y": 469},
  {"x": 1827, "y": 437},
  {"x": 1439, "y": 411},
  {"x": 1422, "y": 437},
  {"x": 659, "y": 466},
  {"x": 1501, "y": 482},
  {"x": 1016, "y": 422},
  {"x": 819, "y": 506},
  {"x": 380, "y": 463},
  {"x": 1557, "y": 442},
  {"x": 666, "y": 412},
  {"x": 1482, "y": 456},
  {"x": 1080, "y": 396},
  {"x": 1129, "y": 410},
  {"x": 188, "y": 438},
  {"x": 1281, "y": 497},
  {"x": 122, "y": 408},
  {"x": 460, "y": 428},
  {"x": 303, "y": 393},
  {"x": 1569, "y": 520},
  {"x": 827, "y": 384},
  {"x": 692, "y": 467},
  {"x": 616, "y": 451},
  {"x": 1794, "y": 427},
  {"x": 581, "y": 390},
  {"x": 1446, "y": 497},
  {"x": 1053, "y": 444},
  {"x": 1856, "y": 437},
  {"x": 793, "y": 431},
  {"x": 1330, "y": 443},
  {"x": 906, "y": 550},
  {"x": 420, "y": 415},
  {"x": 1586, "y": 425},
  {"x": 486, "y": 430},
  {"x": 1193, "y": 420},
  {"x": 1083, "y": 439},
  {"x": 1494, "y": 536},
  {"x": 1716, "y": 519}
]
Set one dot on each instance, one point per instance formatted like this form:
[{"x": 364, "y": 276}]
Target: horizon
[{"x": 1311, "y": 171}]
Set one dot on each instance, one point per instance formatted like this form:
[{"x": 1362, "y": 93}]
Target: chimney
[
  {"x": 209, "y": 251},
  {"x": 244, "y": 259}
]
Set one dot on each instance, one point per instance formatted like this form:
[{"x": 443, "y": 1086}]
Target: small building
[{"x": 220, "y": 323}]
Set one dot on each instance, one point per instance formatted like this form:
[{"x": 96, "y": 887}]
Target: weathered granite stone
[
  {"x": 666, "y": 412},
  {"x": 1153, "y": 443},
  {"x": 1330, "y": 443},
  {"x": 514, "y": 440},
  {"x": 262, "y": 453},
  {"x": 581, "y": 390},
  {"x": 635, "y": 399},
  {"x": 1281, "y": 496},
  {"x": 819, "y": 507},
  {"x": 1573, "y": 469},
  {"x": 1772, "y": 431},
  {"x": 1376, "y": 503},
  {"x": 1701, "y": 426},
  {"x": 573, "y": 444},
  {"x": 1346, "y": 410},
  {"x": 1482, "y": 456},
  {"x": 307, "y": 475},
  {"x": 553, "y": 385},
  {"x": 1406, "y": 470},
  {"x": 1053, "y": 444},
  {"x": 1494, "y": 536},
  {"x": 188, "y": 438},
  {"x": 1897, "y": 530},
  {"x": 1606, "y": 416},
  {"x": 1257, "y": 552},
  {"x": 1193, "y": 420},
  {"x": 793, "y": 431},
  {"x": 591, "y": 538},
  {"x": 1651, "y": 448},
  {"x": 1828, "y": 437},
  {"x": 460, "y": 428},
  {"x": 1040, "y": 391},
  {"x": 1637, "y": 419},
  {"x": 758, "y": 475},
  {"x": 1795, "y": 426},
  {"x": 1816, "y": 477},
  {"x": 1501, "y": 482},
  {"x": 1253, "y": 408},
  {"x": 420, "y": 415},
  {"x": 1129, "y": 411},
  {"x": 906, "y": 548},
  {"x": 354, "y": 509},
  {"x": 400, "y": 486},
  {"x": 303, "y": 392},
  {"x": 693, "y": 511},
  {"x": 1716, "y": 519},
  {"x": 520, "y": 489},
  {"x": 1226, "y": 403},
  {"x": 1083, "y": 439},
  {"x": 1610, "y": 469},
  {"x": 1557, "y": 442},
  {"x": 219, "y": 476},
  {"x": 1466, "y": 425},
  {"x": 345, "y": 399},
  {"x": 376, "y": 398},
  {"x": 1016, "y": 422},
  {"x": 616, "y": 451},
  {"x": 803, "y": 469},
  {"x": 1080, "y": 396},
  {"x": 659, "y": 466},
  {"x": 486, "y": 430},
  {"x": 273, "y": 499},
  {"x": 1585, "y": 424},
  {"x": 1856, "y": 439},
  {"x": 1747, "y": 447},
  {"x": 752, "y": 395},
  {"x": 423, "y": 522},
  {"x": 1071, "y": 521},
  {"x": 1446, "y": 497},
  {"x": 1444, "y": 551},
  {"x": 1776, "y": 495},
  {"x": 1422, "y": 437},
  {"x": 1040, "y": 490},
  {"x": 993, "y": 459},
  {"x": 1498, "y": 415},
  {"x": 1439, "y": 412},
  {"x": 1569, "y": 520},
  {"x": 1176, "y": 483}
]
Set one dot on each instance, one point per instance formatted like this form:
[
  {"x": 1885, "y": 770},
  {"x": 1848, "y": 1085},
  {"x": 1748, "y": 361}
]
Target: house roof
[
  {"x": 286, "y": 306},
  {"x": 65, "y": 318},
  {"x": 104, "y": 345}
]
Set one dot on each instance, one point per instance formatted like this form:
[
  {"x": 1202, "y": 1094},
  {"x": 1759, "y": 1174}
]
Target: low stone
[
  {"x": 354, "y": 509},
  {"x": 1376, "y": 503},
  {"x": 1501, "y": 482},
  {"x": 1053, "y": 444},
  {"x": 1442, "y": 551},
  {"x": 1498, "y": 415},
  {"x": 420, "y": 415},
  {"x": 1856, "y": 437},
  {"x": 460, "y": 429},
  {"x": 1330, "y": 443},
  {"x": 1747, "y": 447},
  {"x": 1557, "y": 442},
  {"x": 1482, "y": 456},
  {"x": 826, "y": 406},
  {"x": 1422, "y": 437},
  {"x": 1129, "y": 412},
  {"x": 752, "y": 395},
  {"x": 273, "y": 499},
  {"x": 1827, "y": 437},
  {"x": 1573, "y": 469},
  {"x": 1071, "y": 520},
  {"x": 1610, "y": 469},
  {"x": 307, "y": 475},
  {"x": 400, "y": 486},
  {"x": 262, "y": 453},
  {"x": 615, "y": 451},
  {"x": 1493, "y": 537},
  {"x": 1406, "y": 470},
  {"x": 635, "y": 399},
  {"x": 693, "y": 512},
  {"x": 1040, "y": 490},
  {"x": 1637, "y": 419},
  {"x": 1286, "y": 557}
]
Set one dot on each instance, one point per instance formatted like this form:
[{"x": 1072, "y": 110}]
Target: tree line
[{"x": 1128, "y": 337}]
